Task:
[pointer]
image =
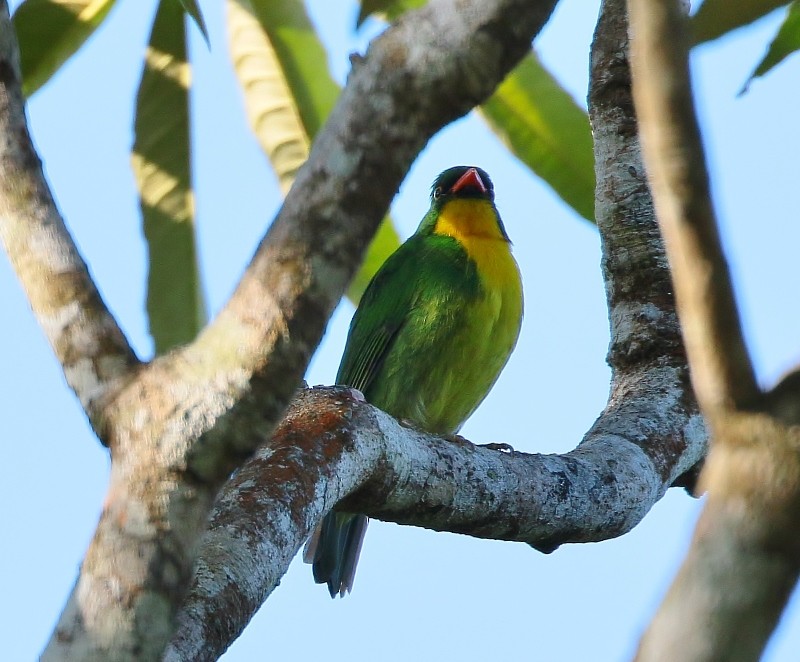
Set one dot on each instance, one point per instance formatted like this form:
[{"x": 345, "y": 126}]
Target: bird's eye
[{"x": 437, "y": 193}]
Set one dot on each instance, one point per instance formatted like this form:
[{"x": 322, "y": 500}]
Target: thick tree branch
[
  {"x": 189, "y": 418},
  {"x": 331, "y": 446},
  {"x": 85, "y": 337},
  {"x": 721, "y": 370},
  {"x": 745, "y": 555},
  {"x": 645, "y": 334},
  {"x": 329, "y": 449}
]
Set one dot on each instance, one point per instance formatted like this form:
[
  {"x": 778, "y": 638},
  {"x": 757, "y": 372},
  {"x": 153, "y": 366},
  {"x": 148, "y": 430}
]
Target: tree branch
[
  {"x": 329, "y": 448},
  {"x": 333, "y": 448},
  {"x": 745, "y": 555},
  {"x": 87, "y": 341},
  {"x": 645, "y": 334},
  {"x": 191, "y": 417}
]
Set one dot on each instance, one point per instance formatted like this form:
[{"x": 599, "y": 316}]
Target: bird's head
[
  {"x": 462, "y": 205},
  {"x": 462, "y": 182}
]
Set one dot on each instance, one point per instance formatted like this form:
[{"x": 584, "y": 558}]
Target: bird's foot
[
  {"x": 411, "y": 425},
  {"x": 503, "y": 448}
]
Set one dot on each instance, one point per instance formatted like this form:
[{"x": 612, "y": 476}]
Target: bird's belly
[
  {"x": 479, "y": 350},
  {"x": 443, "y": 380}
]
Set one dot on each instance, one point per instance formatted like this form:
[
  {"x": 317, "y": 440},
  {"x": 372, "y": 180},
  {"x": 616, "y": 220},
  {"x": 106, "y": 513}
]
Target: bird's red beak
[{"x": 470, "y": 179}]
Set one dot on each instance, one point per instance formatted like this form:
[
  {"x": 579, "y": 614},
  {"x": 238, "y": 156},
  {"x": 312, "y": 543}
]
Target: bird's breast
[{"x": 463, "y": 369}]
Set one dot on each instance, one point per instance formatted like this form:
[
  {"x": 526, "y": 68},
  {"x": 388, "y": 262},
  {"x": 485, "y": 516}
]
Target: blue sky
[{"x": 418, "y": 593}]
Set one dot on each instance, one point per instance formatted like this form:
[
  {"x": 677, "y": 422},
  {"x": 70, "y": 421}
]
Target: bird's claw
[
  {"x": 458, "y": 439},
  {"x": 409, "y": 424},
  {"x": 503, "y": 448}
]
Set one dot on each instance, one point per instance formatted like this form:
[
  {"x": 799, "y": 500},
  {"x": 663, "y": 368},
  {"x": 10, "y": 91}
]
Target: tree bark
[{"x": 334, "y": 448}]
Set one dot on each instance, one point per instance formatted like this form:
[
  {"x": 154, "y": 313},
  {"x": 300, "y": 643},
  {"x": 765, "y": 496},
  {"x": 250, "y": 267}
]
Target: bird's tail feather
[{"x": 336, "y": 545}]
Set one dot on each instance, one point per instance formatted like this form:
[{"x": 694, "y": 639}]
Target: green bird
[{"x": 434, "y": 329}]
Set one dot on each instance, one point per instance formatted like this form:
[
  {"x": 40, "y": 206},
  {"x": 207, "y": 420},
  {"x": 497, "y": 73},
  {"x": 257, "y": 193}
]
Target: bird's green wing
[{"x": 381, "y": 314}]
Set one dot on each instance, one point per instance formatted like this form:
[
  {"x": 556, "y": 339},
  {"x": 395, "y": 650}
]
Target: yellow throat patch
[{"x": 473, "y": 223}]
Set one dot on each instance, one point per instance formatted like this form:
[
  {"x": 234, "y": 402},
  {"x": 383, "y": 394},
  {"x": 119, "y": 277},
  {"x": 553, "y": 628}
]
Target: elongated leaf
[
  {"x": 300, "y": 56},
  {"x": 50, "y": 32},
  {"x": 786, "y": 42},
  {"x": 193, "y": 10},
  {"x": 270, "y": 104},
  {"x": 388, "y": 9},
  {"x": 715, "y": 18},
  {"x": 288, "y": 95},
  {"x": 161, "y": 164},
  {"x": 544, "y": 128}
]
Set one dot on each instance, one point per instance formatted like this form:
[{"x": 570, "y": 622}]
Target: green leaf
[
  {"x": 545, "y": 129},
  {"x": 388, "y": 9},
  {"x": 50, "y": 32},
  {"x": 193, "y": 10},
  {"x": 288, "y": 95},
  {"x": 715, "y": 18},
  {"x": 275, "y": 87},
  {"x": 786, "y": 42},
  {"x": 161, "y": 164},
  {"x": 299, "y": 57}
]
